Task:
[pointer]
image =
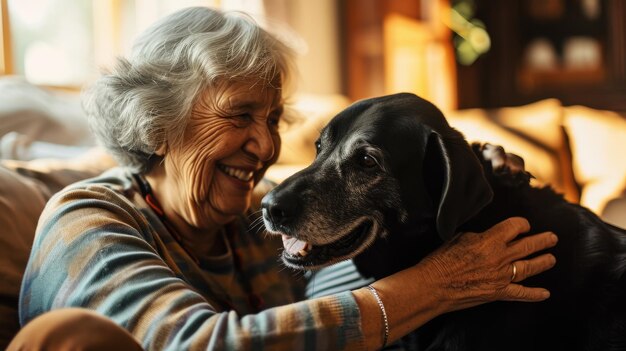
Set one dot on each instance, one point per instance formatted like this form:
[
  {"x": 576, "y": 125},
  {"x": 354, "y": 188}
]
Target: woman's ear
[{"x": 161, "y": 150}]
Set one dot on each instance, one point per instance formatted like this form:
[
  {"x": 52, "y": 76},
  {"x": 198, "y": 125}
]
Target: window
[{"x": 64, "y": 43}]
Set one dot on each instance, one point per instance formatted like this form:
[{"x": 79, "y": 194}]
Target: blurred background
[
  {"x": 458, "y": 53},
  {"x": 545, "y": 79}
]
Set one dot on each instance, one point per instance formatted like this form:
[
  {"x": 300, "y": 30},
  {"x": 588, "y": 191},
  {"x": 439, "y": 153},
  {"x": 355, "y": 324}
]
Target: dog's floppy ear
[{"x": 455, "y": 180}]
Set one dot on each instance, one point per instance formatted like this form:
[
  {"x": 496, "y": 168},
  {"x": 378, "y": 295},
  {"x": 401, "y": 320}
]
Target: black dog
[{"x": 392, "y": 181}]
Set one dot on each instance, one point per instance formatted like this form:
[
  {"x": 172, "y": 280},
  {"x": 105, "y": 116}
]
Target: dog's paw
[{"x": 506, "y": 169}]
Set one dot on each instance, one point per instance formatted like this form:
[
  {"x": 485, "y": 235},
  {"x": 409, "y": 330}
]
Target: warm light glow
[
  {"x": 40, "y": 57},
  {"x": 476, "y": 126},
  {"x": 418, "y": 60},
  {"x": 51, "y": 41},
  {"x": 31, "y": 13},
  {"x": 67, "y": 42},
  {"x": 598, "y": 141}
]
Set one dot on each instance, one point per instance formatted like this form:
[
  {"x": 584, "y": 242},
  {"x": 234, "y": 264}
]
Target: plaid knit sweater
[{"x": 99, "y": 245}]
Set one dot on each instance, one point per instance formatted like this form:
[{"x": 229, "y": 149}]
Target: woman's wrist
[
  {"x": 383, "y": 314},
  {"x": 410, "y": 299},
  {"x": 371, "y": 324}
]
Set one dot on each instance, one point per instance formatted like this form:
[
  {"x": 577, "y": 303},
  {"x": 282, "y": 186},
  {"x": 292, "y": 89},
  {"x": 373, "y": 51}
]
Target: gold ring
[{"x": 514, "y": 271}]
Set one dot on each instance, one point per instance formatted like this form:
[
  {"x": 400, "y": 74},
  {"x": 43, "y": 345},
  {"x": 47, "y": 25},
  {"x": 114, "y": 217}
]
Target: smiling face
[{"x": 230, "y": 141}]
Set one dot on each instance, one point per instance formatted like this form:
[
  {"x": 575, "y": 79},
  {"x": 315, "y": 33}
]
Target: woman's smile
[
  {"x": 237, "y": 173},
  {"x": 240, "y": 178}
]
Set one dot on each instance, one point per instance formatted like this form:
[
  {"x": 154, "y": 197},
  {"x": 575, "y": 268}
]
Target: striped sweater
[{"x": 100, "y": 246}]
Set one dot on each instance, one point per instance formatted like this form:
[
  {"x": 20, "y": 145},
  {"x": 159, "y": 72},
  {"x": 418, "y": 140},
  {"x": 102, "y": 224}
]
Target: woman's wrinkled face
[{"x": 230, "y": 140}]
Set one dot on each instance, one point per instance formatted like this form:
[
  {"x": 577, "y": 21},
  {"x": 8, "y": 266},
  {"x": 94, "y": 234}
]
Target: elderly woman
[{"x": 161, "y": 248}]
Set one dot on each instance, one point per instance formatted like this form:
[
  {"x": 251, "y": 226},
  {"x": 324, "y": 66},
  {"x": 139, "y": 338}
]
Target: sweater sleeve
[{"x": 92, "y": 250}]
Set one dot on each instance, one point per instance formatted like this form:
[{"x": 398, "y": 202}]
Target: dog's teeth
[{"x": 305, "y": 250}]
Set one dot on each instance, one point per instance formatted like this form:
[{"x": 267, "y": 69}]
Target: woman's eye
[
  {"x": 241, "y": 120},
  {"x": 273, "y": 122},
  {"x": 368, "y": 161}
]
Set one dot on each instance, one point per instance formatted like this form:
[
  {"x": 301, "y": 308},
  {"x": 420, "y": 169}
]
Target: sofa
[{"x": 45, "y": 144}]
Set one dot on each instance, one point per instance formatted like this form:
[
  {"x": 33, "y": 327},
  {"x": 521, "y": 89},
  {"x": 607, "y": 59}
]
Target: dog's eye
[
  {"x": 318, "y": 146},
  {"x": 368, "y": 161}
]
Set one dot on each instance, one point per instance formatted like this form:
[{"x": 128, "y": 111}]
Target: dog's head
[{"x": 381, "y": 163}]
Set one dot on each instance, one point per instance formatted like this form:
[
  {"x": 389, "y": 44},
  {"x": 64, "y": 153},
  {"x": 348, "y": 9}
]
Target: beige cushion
[
  {"x": 309, "y": 114},
  {"x": 25, "y": 187},
  {"x": 598, "y": 142},
  {"x": 540, "y": 121},
  {"x": 532, "y": 131},
  {"x": 42, "y": 114},
  {"x": 21, "y": 202},
  {"x": 615, "y": 211},
  {"x": 55, "y": 174}
]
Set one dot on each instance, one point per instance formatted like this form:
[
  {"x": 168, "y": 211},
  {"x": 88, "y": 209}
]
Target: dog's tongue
[{"x": 293, "y": 245}]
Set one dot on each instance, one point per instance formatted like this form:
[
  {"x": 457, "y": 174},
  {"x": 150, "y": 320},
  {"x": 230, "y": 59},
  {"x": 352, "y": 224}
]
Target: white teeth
[
  {"x": 237, "y": 173},
  {"x": 305, "y": 250}
]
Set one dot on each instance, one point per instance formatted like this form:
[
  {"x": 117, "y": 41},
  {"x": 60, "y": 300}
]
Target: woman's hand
[
  {"x": 470, "y": 270},
  {"x": 476, "y": 268}
]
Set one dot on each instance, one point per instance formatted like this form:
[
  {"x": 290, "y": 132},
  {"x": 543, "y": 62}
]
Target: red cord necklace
[{"x": 254, "y": 300}]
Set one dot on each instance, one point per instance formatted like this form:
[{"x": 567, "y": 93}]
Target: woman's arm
[
  {"x": 471, "y": 270},
  {"x": 93, "y": 251}
]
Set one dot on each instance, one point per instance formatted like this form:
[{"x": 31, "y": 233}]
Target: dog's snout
[{"x": 280, "y": 208}]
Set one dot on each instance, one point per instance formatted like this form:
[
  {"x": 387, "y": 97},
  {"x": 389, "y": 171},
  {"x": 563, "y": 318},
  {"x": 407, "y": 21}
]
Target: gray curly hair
[{"x": 146, "y": 99}]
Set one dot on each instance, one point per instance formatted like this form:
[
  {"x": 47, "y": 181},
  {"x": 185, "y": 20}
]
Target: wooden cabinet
[
  {"x": 392, "y": 46},
  {"x": 573, "y": 50},
  {"x": 539, "y": 49},
  {"x": 363, "y": 53}
]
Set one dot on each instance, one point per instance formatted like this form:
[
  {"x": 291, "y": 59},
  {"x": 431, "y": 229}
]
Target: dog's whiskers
[
  {"x": 255, "y": 214},
  {"x": 257, "y": 225}
]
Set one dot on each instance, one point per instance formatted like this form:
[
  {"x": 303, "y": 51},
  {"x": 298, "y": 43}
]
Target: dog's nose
[{"x": 280, "y": 208}]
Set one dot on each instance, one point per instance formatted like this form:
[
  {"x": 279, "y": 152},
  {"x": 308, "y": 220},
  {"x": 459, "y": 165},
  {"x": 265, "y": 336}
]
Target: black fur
[{"x": 444, "y": 190}]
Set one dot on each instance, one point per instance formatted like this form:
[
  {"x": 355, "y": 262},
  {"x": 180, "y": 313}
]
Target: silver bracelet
[{"x": 384, "y": 313}]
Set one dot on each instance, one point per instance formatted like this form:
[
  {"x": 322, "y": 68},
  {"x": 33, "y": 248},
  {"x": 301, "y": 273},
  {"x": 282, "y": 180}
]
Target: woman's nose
[{"x": 261, "y": 142}]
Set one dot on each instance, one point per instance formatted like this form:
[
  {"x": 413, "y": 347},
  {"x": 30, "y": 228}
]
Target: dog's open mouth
[{"x": 304, "y": 255}]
